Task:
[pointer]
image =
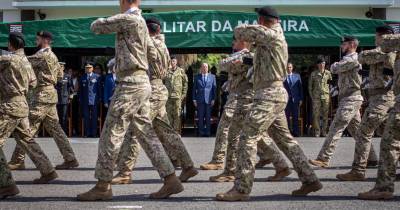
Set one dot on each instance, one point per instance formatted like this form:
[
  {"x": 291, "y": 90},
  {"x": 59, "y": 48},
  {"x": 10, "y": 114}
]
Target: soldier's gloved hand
[
  {"x": 248, "y": 61},
  {"x": 106, "y": 105},
  {"x": 388, "y": 72}
]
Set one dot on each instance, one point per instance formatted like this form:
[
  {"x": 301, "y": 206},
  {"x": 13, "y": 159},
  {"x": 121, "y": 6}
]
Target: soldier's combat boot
[
  {"x": 305, "y": 189},
  {"x": 9, "y": 191},
  {"x": 68, "y": 165},
  {"x": 45, "y": 179},
  {"x": 212, "y": 166},
  {"x": 262, "y": 163},
  {"x": 16, "y": 166},
  {"x": 319, "y": 163},
  {"x": 122, "y": 178},
  {"x": 279, "y": 175},
  {"x": 172, "y": 185},
  {"x": 375, "y": 194},
  {"x": 232, "y": 195},
  {"x": 351, "y": 176},
  {"x": 188, "y": 173},
  {"x": 101, "y": 192},
  {"x": 224, "y": 177},
  {"x": 372, "y": 163}
]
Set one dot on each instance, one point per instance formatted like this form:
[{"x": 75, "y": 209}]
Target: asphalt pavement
[{"x": 199, "y": 192}]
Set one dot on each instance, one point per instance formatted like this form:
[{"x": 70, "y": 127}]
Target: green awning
[{"x": 202, "y": 29}]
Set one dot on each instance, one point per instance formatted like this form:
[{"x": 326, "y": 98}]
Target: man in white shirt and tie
[{"x": 294, "y": 88}]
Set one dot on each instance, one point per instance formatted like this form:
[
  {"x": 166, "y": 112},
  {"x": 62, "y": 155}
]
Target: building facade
[{"x": 21, "y": 10}]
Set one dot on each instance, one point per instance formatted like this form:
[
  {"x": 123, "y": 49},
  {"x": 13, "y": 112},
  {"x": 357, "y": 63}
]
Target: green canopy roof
[{"x": 202, "y": 29}]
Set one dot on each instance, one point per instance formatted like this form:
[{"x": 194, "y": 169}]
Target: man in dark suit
[
  {"x": 109, "y": 84},
  {"x": 64, "y": 90},
  {"x": 294, "y": 88},
  {"x": 89, "y": 95},
  {"x": 204, "y": 91}
]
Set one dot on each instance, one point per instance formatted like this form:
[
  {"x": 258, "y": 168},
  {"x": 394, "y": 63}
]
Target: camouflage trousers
[
  {"x": 266, "y": 148},
  {"x": 374, "y": 116},
  {"x": 21, "y": 131},
  {"x": 169, "y": 138},
  {"x": 320, "y": 110},
  {"x": 174, "y": 109},
  {"x": 46, "y": 114},
  {"x": 347, "y": 116},
  {"x": 130, "y": 111},
  {"x": 267, "y": 114},
  {"x": 390, "y": 152}
]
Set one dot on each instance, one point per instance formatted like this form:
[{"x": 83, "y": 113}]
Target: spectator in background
[
  {"x": 109, "y": 85},
  {"x": 64, "y": 90},
  {"x": 89, "y": 96},
  {"x": 176, "y": 82},
  {"x": 204, "y": 91},
  {"x": 75, "y": 102},
  {"x": 294, "y": 88},
  {"x": 318, "y": 87}
]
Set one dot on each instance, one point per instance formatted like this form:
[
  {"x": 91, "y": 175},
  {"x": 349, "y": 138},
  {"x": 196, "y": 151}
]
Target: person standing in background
[
  {"x": 318, "y": 88},
  {"x": 89, "y": 95},
  {"x": 294, "y": 88},
  {"x": 204, "y": 91},
  {"x": 64, "y": 89},
  {"x": 177, "y": 85},
  {"x": 109, "y": 85},
  {"x": 75, "y": 102}
]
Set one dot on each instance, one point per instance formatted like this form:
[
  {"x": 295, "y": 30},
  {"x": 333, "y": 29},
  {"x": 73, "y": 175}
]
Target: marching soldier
[
  {"x": 130, "y": 106},
  {"x": 44, "y": 109},
  {"x": 16, "y": 78},
  {"x": 318, "y": 87},
  {"x": 267, "y": 111},
  {"x": 240, "y": 98},
  {"x": 381, "y": 99},
  {"x": 390, "y": 143},
  {"x": 176, "y": 82},
  {"x": 170, "y": 139},
  {"x": 348, "y": 112}
]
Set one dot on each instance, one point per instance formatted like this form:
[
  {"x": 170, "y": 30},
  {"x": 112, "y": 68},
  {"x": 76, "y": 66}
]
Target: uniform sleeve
[
  {"x": 310, "y": 85},
  {"x": 345, "y": 65},
  {"x": 255, "y": 33},
  {"x": 370, "y": 57},
  {"x": 110, "y": 25},
  {"x": 390, "y": 60},
  {"x": 32, "y": 78},
  {"x": 152, "y": 53},
  {"x": 60, "y": 72},
  {"x": 184, "y": 84}
]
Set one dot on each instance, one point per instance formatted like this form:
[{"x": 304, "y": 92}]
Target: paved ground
[{"x": 198, "y": 194}]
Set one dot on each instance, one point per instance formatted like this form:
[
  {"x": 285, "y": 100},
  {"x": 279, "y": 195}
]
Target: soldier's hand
[
  {"x": 195, "y": 103},
  {"x": 212, "y": 103},
  {"x": 106, "y": 105}
]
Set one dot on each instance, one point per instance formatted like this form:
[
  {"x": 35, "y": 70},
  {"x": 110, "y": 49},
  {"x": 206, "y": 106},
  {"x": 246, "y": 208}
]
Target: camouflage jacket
[
  {"x": 349, "y": 82},
  {"x": 377, "y": 60},
  {"x": 271, "y": 54},
  {"x": 238, "y": 80},
  {"x": 17, "y": 77},
  {"x": 48, "y": 72},
  {"x": 159, "y": 70},
  {"x": 176, "y": 83},
  {"x": 134, "y": 48},
  {"x": 318, "y": 84}
]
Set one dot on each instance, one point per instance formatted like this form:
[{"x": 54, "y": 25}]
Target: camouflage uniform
[
  {"x": 44, "y": 101},
  {"x": 170, "y": 139},
  {"x": 240, "y": 100},
  {"x": 269, "y": 102},
  {"x": 350, "y": 101},
  {"x": 16, "y": 78},
  {"x": 390, "y": 144},
  {"x": 381, "y": 99},
  {"x": 130, "y": 105},
  {"x": 318, "y": 87},
  {"x": 177, "y": 85}
]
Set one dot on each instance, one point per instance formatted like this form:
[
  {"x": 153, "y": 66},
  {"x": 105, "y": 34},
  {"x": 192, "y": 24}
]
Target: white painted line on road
[{"x": 124, "y": 207}]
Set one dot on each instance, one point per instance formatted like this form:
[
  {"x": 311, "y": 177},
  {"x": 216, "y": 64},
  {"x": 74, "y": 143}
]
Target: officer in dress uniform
[{"x": 89, "y": 95}]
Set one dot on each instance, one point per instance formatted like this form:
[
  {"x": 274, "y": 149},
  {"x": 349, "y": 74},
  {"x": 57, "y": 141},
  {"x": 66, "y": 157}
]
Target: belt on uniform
[
  {"x": 271, "y": 84},
  {"x": 15, "y": 98},
  {"x": 45, "y": 87},
  {"x": 348, "y": 94}
]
